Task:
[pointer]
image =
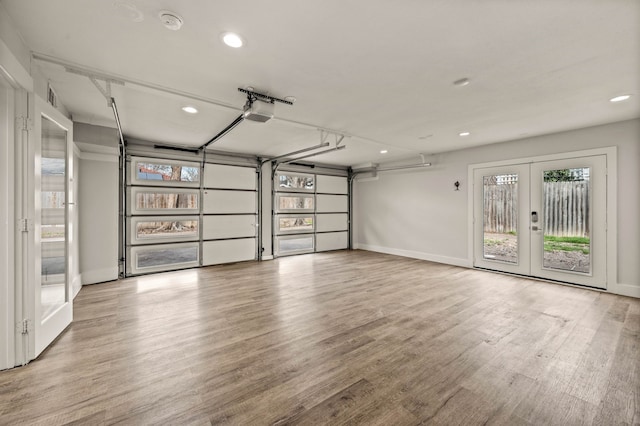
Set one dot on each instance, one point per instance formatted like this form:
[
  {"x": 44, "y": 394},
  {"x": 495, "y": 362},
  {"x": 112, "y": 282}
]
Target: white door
[
  {"x": 568, "y": 239},
  {"x": 543, "y": 219},
  {"x": 501, "y": 228},
  {"x": 54, "y": 202}
]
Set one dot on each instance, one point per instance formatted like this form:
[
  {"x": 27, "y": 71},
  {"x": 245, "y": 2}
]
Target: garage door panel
[
  {"x": 332, "y": 241},
  {"x": 227, "y": 251},
  {"x": 332, "y": 184},
  {"x": 331, "y": 203},
  {"x": 332, "y": 222},
  {"x": 229, "y": 201},
  {"x": 229, "y": 177},
  {"x": 228, "y": 226}
]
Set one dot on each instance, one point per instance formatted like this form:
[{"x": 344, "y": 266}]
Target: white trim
[
  {"x": 456, "y": 261},
  {"x": 89, "y": 148},
  {"x": 625, "y": 290},
  {"x": 106, "y": 158},
  {"x": 97, "y": 276},
  {"x": 269, "y": 257},
  {"x": 76, "y": 285},
  {"x": 550, "y": 157},
  {"x": 13, "y": 70}
]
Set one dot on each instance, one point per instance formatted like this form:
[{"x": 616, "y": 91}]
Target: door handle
[{"x": 535, "y": 228}]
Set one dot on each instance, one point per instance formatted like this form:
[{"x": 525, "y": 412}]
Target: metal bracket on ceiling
[
  {"x": 106, "y": 90},
  {"x": 324, "y": 135}
]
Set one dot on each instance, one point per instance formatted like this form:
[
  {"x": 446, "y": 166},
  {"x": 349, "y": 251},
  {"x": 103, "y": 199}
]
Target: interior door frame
[
  {"x": 57, "y": 322},
  {"x": 7, "y": 219},
  {"x": 611, "y": 203}
]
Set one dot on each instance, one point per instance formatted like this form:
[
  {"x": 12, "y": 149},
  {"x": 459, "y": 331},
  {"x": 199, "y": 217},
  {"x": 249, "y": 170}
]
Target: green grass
[
  {"x": 581, "y": 244},
  {"x": 571, "y": 240},
  {"x": 489, "y": 242}
]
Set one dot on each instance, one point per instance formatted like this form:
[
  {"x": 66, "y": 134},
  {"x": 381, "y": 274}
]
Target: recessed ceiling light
[
  {"x": 190, "y": 109},
  {"x": 384, "y": 151},
  {"x": 461, "y": 82},
  {"x": 232, "y": 40},
  {"x": 464, "y": 133},
  {"x": 620, "y": 98}
]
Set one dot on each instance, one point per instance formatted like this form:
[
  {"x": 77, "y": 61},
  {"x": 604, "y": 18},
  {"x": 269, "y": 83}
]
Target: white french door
[
  {"x": 543, "y": 219},
  {"x": 53, "y": 206}
]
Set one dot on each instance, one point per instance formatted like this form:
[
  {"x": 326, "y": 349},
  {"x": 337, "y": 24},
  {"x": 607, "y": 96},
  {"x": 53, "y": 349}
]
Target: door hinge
[
  {"x": 24, "y": 123},
  {"x": 24, "y": 327},
  {"x": 25, "y": 225}
]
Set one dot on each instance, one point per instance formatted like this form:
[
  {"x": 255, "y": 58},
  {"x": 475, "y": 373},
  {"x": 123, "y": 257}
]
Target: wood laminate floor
[{"x": 335, "y": 338}]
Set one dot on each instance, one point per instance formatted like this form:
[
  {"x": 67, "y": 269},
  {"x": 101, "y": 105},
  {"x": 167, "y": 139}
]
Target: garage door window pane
[
  {"x": 166, "y": 172},
  {"x": 299, "y": 244},
  {"x": 295, "y": 182},
  {"x": 167, "y": 229},
  {"x": 166, "y": 256},
  {"x": 295, "y": 202},
  {"x": 294, "y": 224},
  {"x": 164, "y": 200}
]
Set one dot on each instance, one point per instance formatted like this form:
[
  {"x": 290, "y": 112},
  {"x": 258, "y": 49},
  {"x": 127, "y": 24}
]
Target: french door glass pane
[
  {"x": 53, "y": 234},
  {"x": 567, "y": 243},
  {"x": 500, "y": 218}
]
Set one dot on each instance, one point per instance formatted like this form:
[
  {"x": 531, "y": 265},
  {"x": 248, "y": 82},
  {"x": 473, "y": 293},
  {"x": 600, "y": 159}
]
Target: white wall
[
  {"x": 418, "y": 213},
  {"x": 98, "y": 202}
]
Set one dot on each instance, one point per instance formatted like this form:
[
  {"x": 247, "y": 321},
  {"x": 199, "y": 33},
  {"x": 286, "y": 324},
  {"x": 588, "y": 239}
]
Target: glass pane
[
  {"x": 164, "y": 200},
  {"x": 567, "y": 245},
  {"x": 500, "y": 219},
  {"x": 167, "y": 172},
  {"x": 295, "y": 202},
  {"x": 296, "y": 182},
  {"x": 295, "y": 224},
  {"x": 299, "y": 244},
  {"x": 166, "y": 256},
  {"x": 53, "y": 235},
  {"x": 167, "y": 229}
]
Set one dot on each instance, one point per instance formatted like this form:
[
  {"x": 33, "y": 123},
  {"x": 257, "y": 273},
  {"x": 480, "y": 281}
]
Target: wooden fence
[{"x": 566, "y": 208}]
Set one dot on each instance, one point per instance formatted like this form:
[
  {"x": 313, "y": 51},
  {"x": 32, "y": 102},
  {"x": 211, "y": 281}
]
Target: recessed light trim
[
  {"x": 383, "y": 151},
  {"x": 232, "y": 40},
  {"x": 620, "y": 98},
  {"x": 190, "y": 109},
  {"x": 464, "y": 133}
]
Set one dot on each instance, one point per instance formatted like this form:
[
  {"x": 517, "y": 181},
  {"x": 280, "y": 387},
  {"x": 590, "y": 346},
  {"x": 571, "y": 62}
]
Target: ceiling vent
[{"x": 259, "y": 111}]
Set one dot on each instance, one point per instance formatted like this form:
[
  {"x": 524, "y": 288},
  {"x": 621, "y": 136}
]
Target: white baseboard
[
  {"x": 267, "y": 257},
  {"x": 465, "y": 263},
  {"x": 100, "y": 275},
  {"x": 625, "y": 290}
]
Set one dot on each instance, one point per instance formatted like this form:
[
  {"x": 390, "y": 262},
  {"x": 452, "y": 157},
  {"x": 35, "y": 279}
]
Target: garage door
[
  {"x": 181, "y": 215},
  {"x": 311, "y": 213}
]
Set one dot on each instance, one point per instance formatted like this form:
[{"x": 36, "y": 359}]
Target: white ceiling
[{"x": 381, "y": 72}]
